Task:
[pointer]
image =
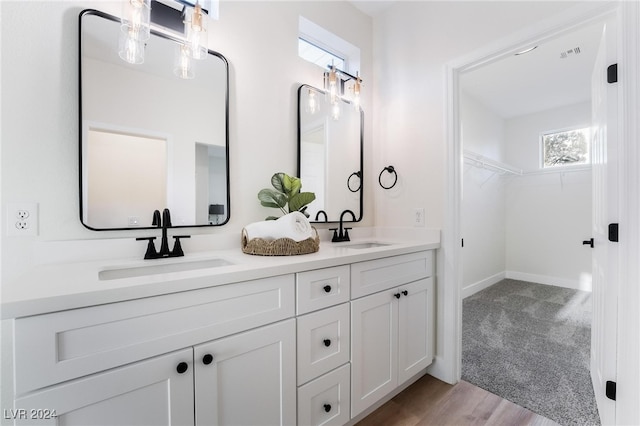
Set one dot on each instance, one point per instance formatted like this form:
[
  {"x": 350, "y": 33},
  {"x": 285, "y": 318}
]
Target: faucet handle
[
  {"x": 177, "y": 247},
  {"x": 151, "y": 252},
  {"x": 346, "y": 234},
  {"x": 157, "y": 222},
  {"x": 335, "y": 234}
]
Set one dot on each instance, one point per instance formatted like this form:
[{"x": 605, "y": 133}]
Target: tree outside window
[{"x": 566, "y": 148}]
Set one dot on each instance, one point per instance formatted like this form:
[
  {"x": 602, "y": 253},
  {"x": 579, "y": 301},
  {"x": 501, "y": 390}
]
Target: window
[
  {"x": 318, "y": 55},
  {"x": 320, "y": 46},
  {"x": 565, "y": 148}
]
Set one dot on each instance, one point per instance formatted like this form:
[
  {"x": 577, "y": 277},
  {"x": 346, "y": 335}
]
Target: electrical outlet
[
  {"x": 22, "y": 219},
  {"x": 419, "y": 217}
]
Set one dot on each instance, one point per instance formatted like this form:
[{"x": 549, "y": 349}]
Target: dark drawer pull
[
  {"x": 182, "y": 367},
  {"x": 405, "y": 292},
  {"x": 207, "y": 359},
  {"x": 397, "y": 295},
  {"x": 327, "y": 288},
  {"x": 327, "y": 408},
  {"x": 327, "y": 342}
]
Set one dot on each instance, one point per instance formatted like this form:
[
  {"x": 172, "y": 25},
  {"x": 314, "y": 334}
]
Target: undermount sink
[
  {"x": 366, "y": 245},
  {"x": 159, "y": 268}
]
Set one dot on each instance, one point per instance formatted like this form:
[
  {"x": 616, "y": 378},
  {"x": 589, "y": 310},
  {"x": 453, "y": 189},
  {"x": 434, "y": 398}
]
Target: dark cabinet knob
[
  {"x": 405, "y": 292},
  {"x": 182, "y": 367},
  {"x": 207, "y": 359},
  {"x": 327, "y": 408},
  {"x": 327, "y": 288},
  {"x": 327, "y": 342},
  {"x": 397, "y": 295}
]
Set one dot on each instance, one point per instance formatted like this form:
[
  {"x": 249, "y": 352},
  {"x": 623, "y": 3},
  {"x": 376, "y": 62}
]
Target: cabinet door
[
  {"x": 415, "y": 328},
  {"x": 150, "y": 392},
  {"x": 374, "y": 346},
  {"x": 248, "y": 378}
]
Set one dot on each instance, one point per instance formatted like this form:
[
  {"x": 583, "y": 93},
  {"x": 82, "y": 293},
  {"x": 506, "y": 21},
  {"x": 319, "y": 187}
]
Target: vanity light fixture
[
  {"x": 134, "y": 30},
  {"x": 195, "y": 31},
  {"x": 136, "y": 19},
  {"x": 130, "y": 48},
  {"x": 356, "y": 92},
  {"x": 335, "y": 110},
  {"x": 334, "y": 81},
  {"x": 183, "y": 66},
  {"x": 313, "y": 105}
]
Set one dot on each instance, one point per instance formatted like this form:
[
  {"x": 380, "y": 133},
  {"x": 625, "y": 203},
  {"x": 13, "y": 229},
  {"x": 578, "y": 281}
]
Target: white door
[
  {"x": 415, "y": 328},
  {"x": 374, "y": 348},
  {"x": 605, "y": 211},
  {"x": 248, "y": 378},
  {"x": 155, "y": 392}
]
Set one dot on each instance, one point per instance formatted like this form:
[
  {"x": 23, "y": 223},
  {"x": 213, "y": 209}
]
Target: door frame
[{"x": 448, "y": 361}]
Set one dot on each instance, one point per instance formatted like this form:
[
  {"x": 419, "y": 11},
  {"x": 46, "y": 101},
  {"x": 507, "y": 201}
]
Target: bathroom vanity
[{"x": 221, "y": 337}]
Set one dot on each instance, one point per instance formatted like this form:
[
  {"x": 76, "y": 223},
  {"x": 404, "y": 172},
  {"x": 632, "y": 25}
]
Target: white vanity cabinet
[
  {"x": 312, "y": 346},
  {"x": 392, "y": 329},
  {"x": 105, "y": 364}
]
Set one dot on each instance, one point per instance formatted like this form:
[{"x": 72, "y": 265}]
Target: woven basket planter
[{"x": 281, "y": 246}]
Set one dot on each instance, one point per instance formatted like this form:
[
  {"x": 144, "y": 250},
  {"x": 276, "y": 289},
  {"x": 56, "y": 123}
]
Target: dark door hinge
[
  {"x": 612, "y": 73},
  {"x": 610, "y": 390},
  {"x": 613, "y": 232}
]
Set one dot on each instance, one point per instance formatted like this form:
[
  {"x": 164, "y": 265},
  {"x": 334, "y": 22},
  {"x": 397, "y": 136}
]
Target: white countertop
[{"x": 60, "y": 286}]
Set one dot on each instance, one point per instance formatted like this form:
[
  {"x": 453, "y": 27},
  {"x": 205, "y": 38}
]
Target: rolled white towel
[{"x": 293, "y": 225}]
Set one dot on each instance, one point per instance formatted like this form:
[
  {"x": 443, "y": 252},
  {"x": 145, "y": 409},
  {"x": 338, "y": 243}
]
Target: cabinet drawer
[
  {"x": 322, "y": 288},
  {"x": 323, "y": 341},
  {"x": 326, "y": 400},
  {"x": 381, "y": 274},
  {"x": 64, "y": 345}
]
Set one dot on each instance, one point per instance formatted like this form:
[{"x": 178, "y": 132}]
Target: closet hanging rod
[{"x": 489, "y": 164}]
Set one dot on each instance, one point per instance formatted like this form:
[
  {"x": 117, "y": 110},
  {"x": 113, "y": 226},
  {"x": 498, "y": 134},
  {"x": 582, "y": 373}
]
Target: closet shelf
[{"x": 483, "y": 162}]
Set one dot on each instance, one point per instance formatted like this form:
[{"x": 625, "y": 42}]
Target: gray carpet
[{"x": 530, "y": 344}]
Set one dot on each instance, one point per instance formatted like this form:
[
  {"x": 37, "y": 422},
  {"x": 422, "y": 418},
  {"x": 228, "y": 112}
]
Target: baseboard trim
[
  {"x": 549, "y": 280},
  {"x": 472, "y": 289}
]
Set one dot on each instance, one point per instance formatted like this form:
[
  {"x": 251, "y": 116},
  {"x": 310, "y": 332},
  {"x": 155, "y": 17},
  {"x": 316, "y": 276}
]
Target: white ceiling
[{"x": 547, "y": 77}]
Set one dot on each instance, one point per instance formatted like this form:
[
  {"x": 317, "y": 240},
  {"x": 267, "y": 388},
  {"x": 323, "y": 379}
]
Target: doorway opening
[{"x": 516, "y": 186}]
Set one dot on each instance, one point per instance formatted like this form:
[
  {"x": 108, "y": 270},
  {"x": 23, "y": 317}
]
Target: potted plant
[{"x": 285, "y": 195}]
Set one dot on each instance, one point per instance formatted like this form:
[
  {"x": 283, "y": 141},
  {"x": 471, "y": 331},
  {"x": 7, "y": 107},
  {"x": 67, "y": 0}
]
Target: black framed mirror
[
  {"x": 148, "y": 138},
  {"x": 330, "y": 154}
]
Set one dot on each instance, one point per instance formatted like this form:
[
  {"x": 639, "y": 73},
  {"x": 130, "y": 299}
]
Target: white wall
[
  {"x": 483, "y": 201},
  {"x": 548, "y": 214},
  {"x": 40, "y": 113}
]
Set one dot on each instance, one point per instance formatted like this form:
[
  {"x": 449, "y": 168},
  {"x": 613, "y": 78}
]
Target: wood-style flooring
[{"x": 430, "y": 401}]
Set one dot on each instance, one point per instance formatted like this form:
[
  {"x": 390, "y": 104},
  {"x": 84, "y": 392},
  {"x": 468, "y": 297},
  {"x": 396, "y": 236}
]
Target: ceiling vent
[{"x": 570, "y": 52}]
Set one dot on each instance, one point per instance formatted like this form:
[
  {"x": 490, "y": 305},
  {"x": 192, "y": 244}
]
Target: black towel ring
[
  {"x": 359, "y": 175},
  {"x": 389, "y": 169}
]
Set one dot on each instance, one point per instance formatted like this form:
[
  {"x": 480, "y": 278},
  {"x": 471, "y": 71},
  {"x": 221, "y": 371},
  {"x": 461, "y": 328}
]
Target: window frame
[
  {"x": 330, "y": 42},
  {"x": 541, "y": 139}
]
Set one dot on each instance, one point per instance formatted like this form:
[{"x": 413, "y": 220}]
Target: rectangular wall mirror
[
  {"x": 330, "y": 145},
  {"x": 149, "y": 139}
]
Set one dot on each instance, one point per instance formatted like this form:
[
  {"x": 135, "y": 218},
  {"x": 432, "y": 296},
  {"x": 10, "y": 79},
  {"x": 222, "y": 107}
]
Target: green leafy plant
[{"x": 286, "y": 195}]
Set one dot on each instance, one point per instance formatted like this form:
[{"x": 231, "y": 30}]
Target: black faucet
[
  {"x": 163, "y": 223},
  {"x": 343, "y": 234},
  {"x": 326, "y": 219}
]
